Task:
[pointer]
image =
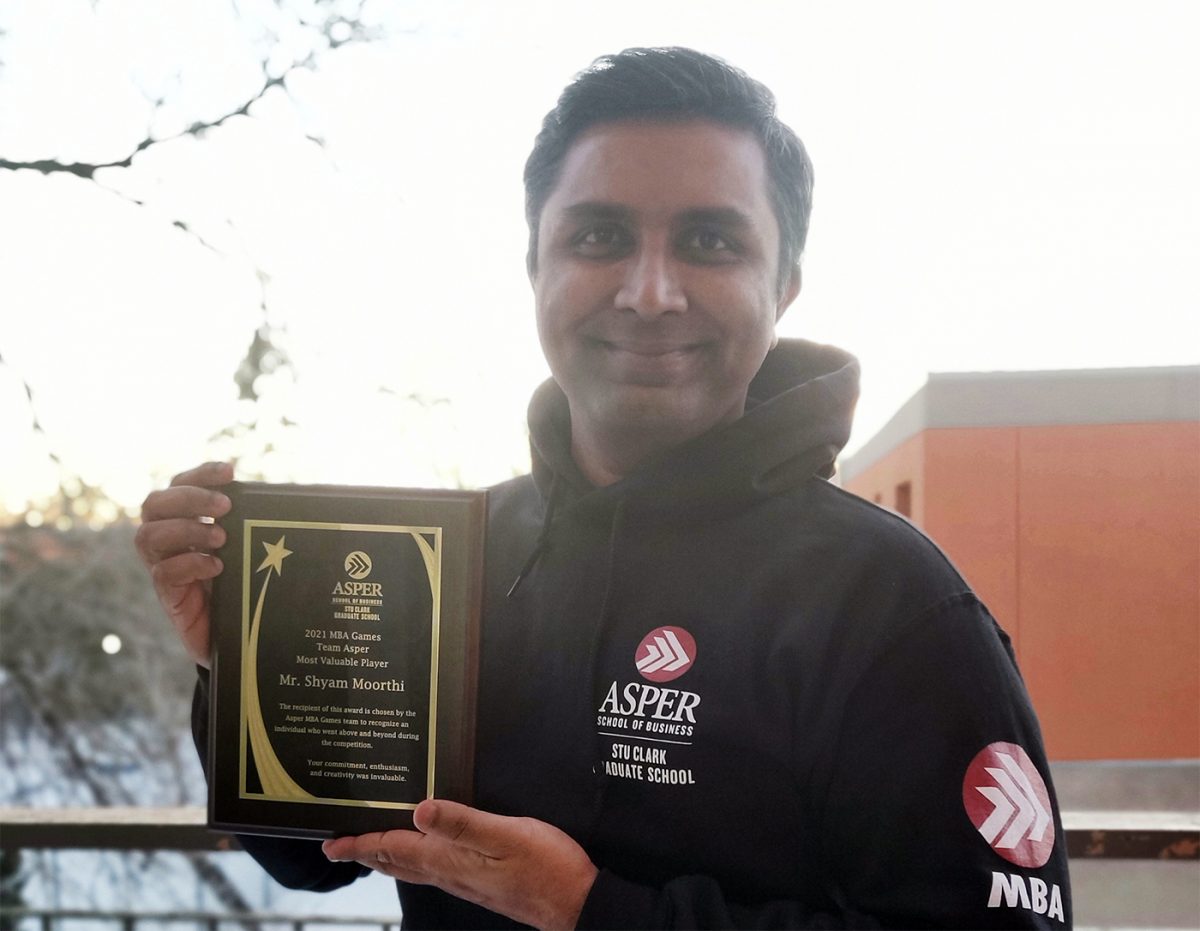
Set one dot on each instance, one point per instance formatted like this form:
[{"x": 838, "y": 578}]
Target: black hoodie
[{"x": 754, "y": 699}]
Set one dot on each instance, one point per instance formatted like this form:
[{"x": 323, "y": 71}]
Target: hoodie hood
[{"x": 797, "y": 419}]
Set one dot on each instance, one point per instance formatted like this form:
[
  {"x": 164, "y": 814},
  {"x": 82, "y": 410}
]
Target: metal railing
[
  {"x": 1126, "y": 835},
  {"x": 1091, "y": 836},
  {"x": 50, "y": 918}
]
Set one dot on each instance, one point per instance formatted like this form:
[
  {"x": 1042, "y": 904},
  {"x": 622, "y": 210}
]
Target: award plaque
[{"x": 345, "y": 630}]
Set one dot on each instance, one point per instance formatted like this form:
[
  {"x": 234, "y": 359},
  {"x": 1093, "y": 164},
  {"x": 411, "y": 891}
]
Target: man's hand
[
  {"x": 176, "y": 540},
  {"x": 525, "y": 869}
]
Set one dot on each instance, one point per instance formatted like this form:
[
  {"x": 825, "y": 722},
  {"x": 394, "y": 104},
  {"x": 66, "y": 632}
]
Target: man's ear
[{"x": 789, "y": 292}]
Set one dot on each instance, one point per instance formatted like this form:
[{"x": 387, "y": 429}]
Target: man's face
[{"x": 656, "y": 277}]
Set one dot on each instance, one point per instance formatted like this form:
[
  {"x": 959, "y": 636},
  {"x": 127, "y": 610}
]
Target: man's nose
[{"x": 652, "y": 284}]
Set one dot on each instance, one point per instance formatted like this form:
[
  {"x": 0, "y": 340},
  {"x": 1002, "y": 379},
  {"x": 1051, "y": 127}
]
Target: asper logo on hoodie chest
[
  {"x": 652, "y": 721},
  {"x": 665, "y": 653}
]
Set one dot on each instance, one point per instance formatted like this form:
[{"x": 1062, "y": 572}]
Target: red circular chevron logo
[
  {"x": 665, "y": 653},
  {"x": 1006, "y": 799}
]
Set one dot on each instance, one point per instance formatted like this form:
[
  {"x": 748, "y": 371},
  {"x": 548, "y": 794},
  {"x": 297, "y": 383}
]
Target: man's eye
[
  {"x": 708, "y": 244},
  {"x": 600, "y": 241}
]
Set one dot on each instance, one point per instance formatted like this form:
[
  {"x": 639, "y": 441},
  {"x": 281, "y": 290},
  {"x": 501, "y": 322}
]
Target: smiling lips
[
  {"x": 640, "y": 348},
  {"x": 648, "y": 361}
]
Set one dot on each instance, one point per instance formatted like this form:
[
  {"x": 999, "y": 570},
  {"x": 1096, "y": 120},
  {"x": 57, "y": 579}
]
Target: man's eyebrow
[
  {"x": 598, "y": 210},
  {"x": 729, "y": 217}
]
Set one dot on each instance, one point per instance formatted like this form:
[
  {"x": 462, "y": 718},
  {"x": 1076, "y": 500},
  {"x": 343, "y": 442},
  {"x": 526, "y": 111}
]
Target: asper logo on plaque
[{"x": 358, "y": 565}]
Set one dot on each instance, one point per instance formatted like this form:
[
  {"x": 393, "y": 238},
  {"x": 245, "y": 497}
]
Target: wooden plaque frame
[{"x": 345, "y": 630}]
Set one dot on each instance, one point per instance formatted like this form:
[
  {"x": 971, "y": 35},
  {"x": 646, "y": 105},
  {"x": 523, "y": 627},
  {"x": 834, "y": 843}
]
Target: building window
[{"x": 904, "y": 499}]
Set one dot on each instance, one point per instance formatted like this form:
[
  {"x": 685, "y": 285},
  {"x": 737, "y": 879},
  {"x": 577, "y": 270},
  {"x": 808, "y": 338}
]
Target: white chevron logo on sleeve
[
  {"x": 1015, "y": 793},
  {"x": 666, "y": 653}
]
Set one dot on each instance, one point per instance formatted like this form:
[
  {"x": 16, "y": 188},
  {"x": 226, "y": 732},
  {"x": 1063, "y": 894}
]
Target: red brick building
[{"x": 1071, "y": 502}]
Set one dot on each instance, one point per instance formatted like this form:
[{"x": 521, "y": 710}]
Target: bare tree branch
[
  {"x": 88, "y": 170},
  {"x": 336, "y": 30},
  {"x": 34, "y": 423}
]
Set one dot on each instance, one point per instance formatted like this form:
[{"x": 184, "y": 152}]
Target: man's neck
[
  {"x": 598, "y": 468},
  {"x": 606, "y": 457}
]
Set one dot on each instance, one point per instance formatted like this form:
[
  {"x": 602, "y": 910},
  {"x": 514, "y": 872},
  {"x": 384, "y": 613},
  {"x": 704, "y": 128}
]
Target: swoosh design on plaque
[{"x": 276, "y": 782}]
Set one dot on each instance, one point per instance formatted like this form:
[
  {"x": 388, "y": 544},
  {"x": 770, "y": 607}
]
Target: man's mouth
[
  {"x": 649, "y": 362},
  {"x": 649, "y": 348}
]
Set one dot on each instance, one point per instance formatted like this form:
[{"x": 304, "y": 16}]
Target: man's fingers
[
  {"x": 181, "y": 584},
  {"x": 385, "y": 846},
  {"x": 526, "y": 869},
  {"x": 184, "y": 501},
  {"x": 210, "y": 473},
  {"x": 182, "y": 570},
  {"x": 191, "y": 622},
  {"x": 176, "y": 541},
  {"x": 397, "y": 853},
  {"x": 162, "y": 539},
  {"x": 352, "y": 848},
  {"x": 481, "y": 831}
]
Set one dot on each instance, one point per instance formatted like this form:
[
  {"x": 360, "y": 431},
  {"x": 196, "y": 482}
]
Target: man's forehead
[{"x": 687, "y": 165}]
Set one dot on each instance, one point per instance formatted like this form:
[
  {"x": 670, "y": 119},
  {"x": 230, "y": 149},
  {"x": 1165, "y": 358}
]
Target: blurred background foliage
[{"x": 95, "y": 691}]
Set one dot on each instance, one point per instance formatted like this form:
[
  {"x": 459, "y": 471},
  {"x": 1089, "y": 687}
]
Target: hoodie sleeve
[
  {"x": 934, "y": 806},
  {"x": 296, "y": 864}
]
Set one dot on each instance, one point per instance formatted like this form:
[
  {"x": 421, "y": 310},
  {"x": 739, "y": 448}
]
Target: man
[{"x": 715, "y": 689}]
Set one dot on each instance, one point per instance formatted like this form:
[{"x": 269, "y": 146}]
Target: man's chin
[{"x": 657, "y": 411}]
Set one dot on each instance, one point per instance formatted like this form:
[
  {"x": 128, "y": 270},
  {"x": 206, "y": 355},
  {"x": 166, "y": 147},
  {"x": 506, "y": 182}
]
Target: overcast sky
[{"x": 998, "y": 186}]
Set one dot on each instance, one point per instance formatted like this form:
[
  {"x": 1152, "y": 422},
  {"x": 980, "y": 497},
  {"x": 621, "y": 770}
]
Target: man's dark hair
[{"x": 675, "y": 84}]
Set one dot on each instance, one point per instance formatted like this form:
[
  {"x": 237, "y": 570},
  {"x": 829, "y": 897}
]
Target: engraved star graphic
[{"x": 276, "y": 554}]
